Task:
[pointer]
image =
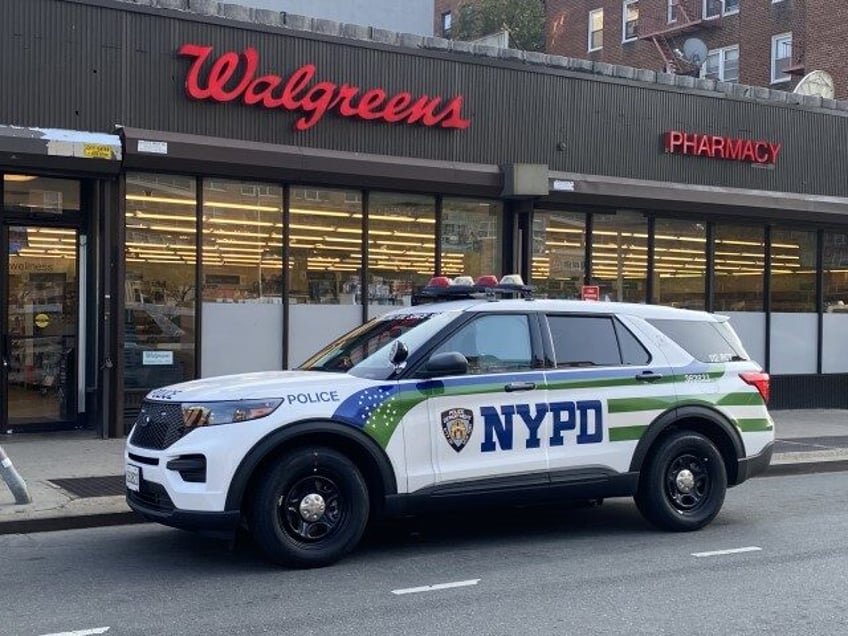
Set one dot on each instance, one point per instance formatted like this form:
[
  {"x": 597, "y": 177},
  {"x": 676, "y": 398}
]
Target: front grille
[
  {"x": 152, "y": 495},
  {"x": 158, "y": 425}
]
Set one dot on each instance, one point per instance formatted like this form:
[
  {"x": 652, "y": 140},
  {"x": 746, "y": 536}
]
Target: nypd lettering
[
  {"x": 585, "y": 417},
  {"x": 312, "y": 398},
  {"x": 457, "y": 425}
]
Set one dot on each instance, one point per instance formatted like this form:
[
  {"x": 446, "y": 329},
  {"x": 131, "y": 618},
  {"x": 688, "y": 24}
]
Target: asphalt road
[{"x": 570, "y": 571}]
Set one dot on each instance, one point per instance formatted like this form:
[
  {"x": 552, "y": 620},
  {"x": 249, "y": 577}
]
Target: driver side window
[{"x": 497, "y": 343}]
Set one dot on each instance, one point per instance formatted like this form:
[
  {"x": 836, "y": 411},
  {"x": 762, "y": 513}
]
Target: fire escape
[{"x": 667, "y": 34}]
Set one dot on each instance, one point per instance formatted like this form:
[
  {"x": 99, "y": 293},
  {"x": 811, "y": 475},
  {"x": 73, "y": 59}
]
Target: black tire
[
  {"x": 682, "y": 487},
  {"x": 287, "y": 519}
]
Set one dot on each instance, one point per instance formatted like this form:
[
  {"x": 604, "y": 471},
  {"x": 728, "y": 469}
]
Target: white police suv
[{"x": 475, "y": 401}]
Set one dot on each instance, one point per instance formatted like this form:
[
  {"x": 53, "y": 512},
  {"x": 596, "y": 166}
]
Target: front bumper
[
  {"x": 754, "y": 465},
  {"x": 155, "y": 507}
]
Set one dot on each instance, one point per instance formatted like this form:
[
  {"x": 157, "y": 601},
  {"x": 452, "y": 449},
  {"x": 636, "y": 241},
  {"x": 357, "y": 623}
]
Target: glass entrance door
[{"x": 41, "y": 324}]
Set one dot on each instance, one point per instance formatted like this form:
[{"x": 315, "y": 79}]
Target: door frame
[{"x": 8, "y": 221}]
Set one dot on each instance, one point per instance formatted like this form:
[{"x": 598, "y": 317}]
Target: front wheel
[
  {"x": 684, "y": 483},
  {"x": 310, "y": 509}
]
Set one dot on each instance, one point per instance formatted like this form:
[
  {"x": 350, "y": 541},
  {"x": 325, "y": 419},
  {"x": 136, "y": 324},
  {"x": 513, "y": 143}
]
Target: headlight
[{"x": 212, "y": 413}]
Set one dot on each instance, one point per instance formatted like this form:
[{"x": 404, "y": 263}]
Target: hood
[{"x": 294, "y": 387}]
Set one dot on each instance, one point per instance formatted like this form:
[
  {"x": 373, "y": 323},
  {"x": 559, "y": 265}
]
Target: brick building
[
  {"x": 444, "y": 13},
  {"x": 770, "y": 43}
]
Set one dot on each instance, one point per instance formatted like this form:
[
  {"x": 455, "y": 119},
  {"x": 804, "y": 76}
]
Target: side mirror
[
  {"x": 399, "y": 353},
  {"x": 448, "y": 363}
]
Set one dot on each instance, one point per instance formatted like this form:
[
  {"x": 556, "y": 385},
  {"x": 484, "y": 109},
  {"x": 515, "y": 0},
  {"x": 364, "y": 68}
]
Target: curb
[
  {"x": 805, "y": 468},
  {"x": 77, "y": 522}
]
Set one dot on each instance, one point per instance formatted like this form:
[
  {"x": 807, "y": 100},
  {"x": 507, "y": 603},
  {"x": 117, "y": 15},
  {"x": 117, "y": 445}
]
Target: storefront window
[
  {"x": 325, "y": 261},
  {"x": 401, "y": 247},
  {"x": 680, "y": 263},
  {"x": 242, "y": 277},
  {"x": 794, "y": 321},
  {"x": 835, "y": 327},
  {"x": 559, "y": 253},
  {"x": 620, "y": 256},
  {"x": 739, "y": 267},
  {"x": 793, "y": 271},
  {"x": 160, "y": 283},
  {"x": 471, "y": 237},
  {"x": 40, "y": 196}
]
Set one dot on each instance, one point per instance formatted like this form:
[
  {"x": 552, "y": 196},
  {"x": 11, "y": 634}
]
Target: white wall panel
[
  {"x": 750, "y": 326},
  {"x": 835, "y": 343},
  {"x": 794, "y": 343},
  {"x": 313, "y": 326},
  {"x": 241, "y": 337}
]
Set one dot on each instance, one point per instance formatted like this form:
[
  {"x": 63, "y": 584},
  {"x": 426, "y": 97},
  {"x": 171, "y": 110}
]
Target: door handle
[
  {"x": 519, "y": 386},
  {"x": 649, "y": 376}
]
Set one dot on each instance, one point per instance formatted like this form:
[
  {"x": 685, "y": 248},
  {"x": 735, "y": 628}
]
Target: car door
[
  {"x": 599, "y": 392},
  {"x": 484, "y": 424}
]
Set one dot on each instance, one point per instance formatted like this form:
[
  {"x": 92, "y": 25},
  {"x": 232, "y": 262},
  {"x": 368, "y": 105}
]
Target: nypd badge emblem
[{"x": 457, "y": 425}]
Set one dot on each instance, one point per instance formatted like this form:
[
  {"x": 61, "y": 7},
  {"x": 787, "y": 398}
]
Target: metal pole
[{"x": 13, "y": 480}]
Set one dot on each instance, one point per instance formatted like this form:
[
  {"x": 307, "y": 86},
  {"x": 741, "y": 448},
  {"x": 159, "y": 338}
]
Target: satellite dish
[
  {"x": 816, "y": 83},
  {"x": 695, "y": 51}
]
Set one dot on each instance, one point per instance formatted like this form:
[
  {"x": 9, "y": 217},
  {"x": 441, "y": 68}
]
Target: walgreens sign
[
  {"x": 233, "y": 76},
  {"x": 719, "y": 147}
]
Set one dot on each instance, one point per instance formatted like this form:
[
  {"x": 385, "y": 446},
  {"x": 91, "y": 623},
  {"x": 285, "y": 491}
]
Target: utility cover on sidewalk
[{"x": 86, "y": 487}]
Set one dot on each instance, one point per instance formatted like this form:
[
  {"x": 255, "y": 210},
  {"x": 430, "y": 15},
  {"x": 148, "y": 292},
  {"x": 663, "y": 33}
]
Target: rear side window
[
  {"x": 704, "y": 340},
  {"x": 594, "y": 341}
]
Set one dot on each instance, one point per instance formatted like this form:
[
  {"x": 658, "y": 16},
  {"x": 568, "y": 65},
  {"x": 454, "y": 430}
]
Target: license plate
[{"x": 133, "y": 474}]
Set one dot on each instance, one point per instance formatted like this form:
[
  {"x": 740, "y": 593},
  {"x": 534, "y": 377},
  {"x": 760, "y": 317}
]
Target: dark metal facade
[{"x": 93, "y": 64}]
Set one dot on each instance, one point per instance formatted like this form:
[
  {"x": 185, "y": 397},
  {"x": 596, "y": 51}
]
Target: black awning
[
  {"x": 216, "y": 156},
  {"x": 621, "y": 192}
]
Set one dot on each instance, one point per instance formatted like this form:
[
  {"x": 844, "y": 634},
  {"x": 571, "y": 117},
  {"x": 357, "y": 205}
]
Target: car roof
[{"x": 555, "y": 305}]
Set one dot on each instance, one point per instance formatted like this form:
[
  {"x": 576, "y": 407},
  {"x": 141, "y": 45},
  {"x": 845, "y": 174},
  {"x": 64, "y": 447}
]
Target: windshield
[{"x": 365, "y": 350}]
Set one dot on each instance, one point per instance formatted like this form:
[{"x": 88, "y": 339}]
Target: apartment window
[
  {"x": 596, "y": 29},
  {"x": 717, "y": 8},
  {"x": 781, "y": 57},
  {"x": 630, "y": 20},
  {"x": 722, "y": 64},
  {"x": 447, "y": 22},
  {"x": 671, "y": 11}
]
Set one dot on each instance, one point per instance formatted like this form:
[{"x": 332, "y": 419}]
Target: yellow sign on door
[{"x": 42, "y": 320}]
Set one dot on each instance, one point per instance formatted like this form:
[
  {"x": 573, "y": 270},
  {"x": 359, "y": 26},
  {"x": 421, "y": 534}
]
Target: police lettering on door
[{"x": 499, "y": 425}]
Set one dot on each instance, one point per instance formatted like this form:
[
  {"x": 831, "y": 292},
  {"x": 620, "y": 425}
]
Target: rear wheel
[
  {"x": 310, "y": 509},
  {"x": 683, "y": 486}
]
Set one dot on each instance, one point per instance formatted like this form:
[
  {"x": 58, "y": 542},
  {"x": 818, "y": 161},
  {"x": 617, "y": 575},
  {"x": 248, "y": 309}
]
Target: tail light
[{"x": 759, "y": 380}]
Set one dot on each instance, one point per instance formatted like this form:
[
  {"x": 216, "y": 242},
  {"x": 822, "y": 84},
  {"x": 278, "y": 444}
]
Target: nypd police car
[{"x": 475, "y": 401}]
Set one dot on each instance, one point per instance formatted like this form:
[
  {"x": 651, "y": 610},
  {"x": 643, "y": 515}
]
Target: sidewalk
[{"x": 51, "y": 465}]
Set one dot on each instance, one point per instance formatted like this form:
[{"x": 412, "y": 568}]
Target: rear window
[
  {"x": 704, "y": 340},
  {"x": 594, "y": 341}
]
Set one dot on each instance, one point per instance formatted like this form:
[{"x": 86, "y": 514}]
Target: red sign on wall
[
  {"x": 590, "y": 292},
  {"x": 234, "y": 76},
  {"x": 718, "y": 147}
]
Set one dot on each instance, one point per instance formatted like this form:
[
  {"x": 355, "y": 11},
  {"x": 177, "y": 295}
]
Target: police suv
[{"x": 480, "y": 400}]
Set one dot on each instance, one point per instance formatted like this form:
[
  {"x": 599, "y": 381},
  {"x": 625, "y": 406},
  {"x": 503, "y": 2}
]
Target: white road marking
[
  {"x": 437, "y": 586},
  {"x": 750, "y": 548},
  {"x": 82, "y": 632}
]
